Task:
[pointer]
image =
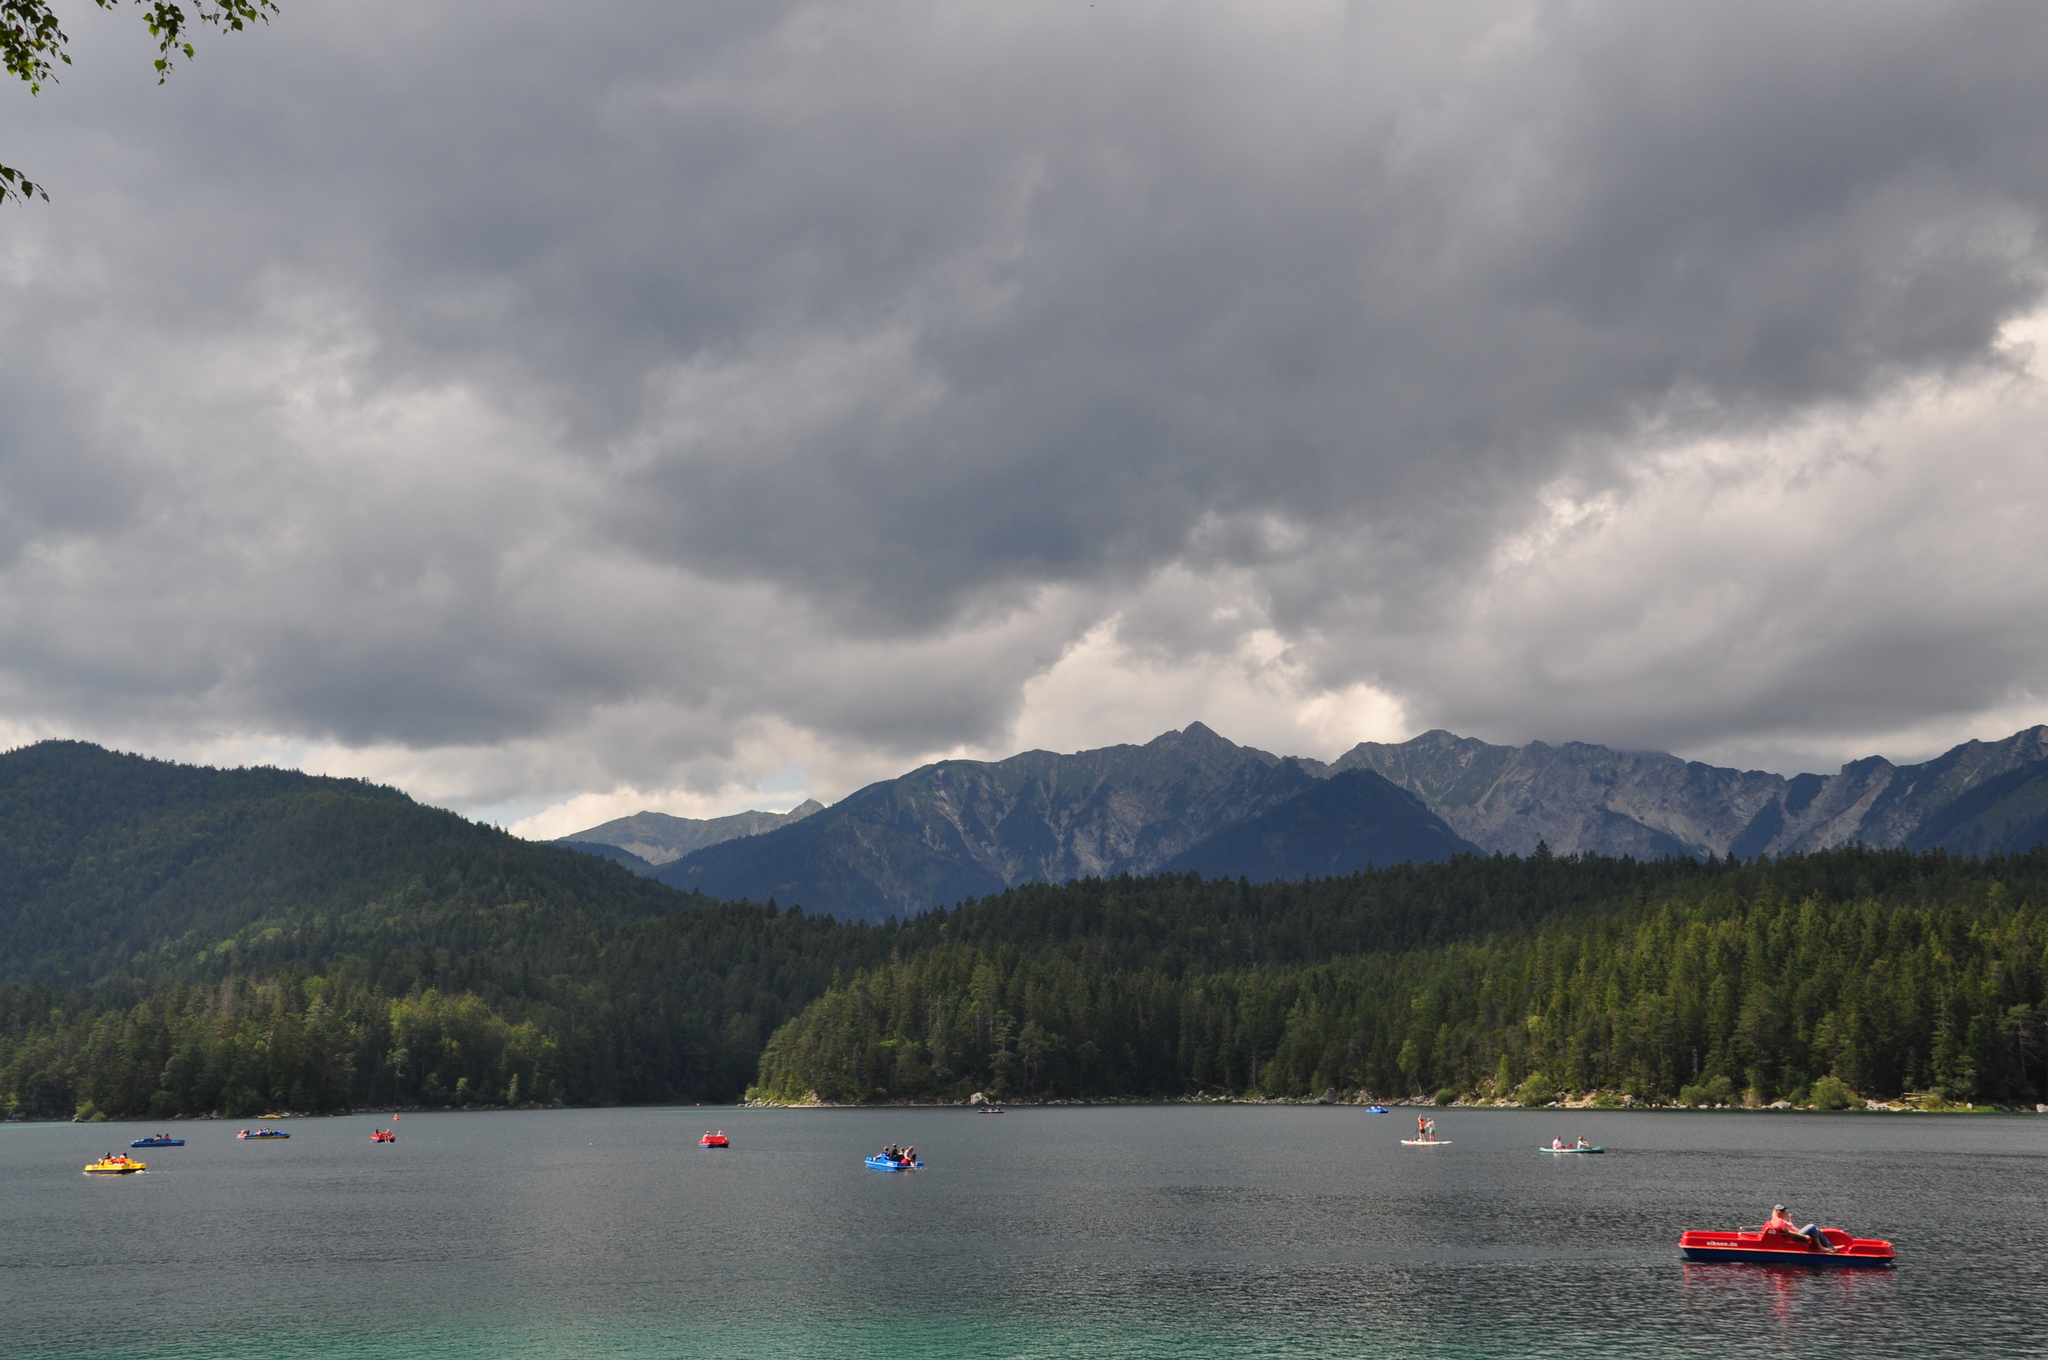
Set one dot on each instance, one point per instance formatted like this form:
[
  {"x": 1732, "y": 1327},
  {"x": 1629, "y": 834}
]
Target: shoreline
[
  {"x": 1576, "y": 1106},
  {"x": 1412, "y": 1103}
]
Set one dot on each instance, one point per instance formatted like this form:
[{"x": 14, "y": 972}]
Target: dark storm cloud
[{"x": 445, "y": 375}]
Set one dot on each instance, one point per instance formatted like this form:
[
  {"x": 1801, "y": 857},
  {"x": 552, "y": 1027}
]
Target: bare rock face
[
  {"x": 964, "y": 828},
  {"x": 967, "y": 828},
  {"x": 1573, "y": 797},
  {"x": 1981, "y": 796}
]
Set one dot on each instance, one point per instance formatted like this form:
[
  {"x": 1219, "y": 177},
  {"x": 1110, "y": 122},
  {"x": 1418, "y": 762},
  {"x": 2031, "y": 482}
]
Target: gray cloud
[{"x": 587, "y": 401}]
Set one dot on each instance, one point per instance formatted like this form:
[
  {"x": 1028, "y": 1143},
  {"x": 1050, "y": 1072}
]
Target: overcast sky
[{"x": 559, "y": 410}]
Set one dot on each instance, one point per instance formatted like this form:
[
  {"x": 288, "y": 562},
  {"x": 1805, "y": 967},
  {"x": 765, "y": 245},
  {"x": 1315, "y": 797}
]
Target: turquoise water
[{"x": 1175, "y": 1231}]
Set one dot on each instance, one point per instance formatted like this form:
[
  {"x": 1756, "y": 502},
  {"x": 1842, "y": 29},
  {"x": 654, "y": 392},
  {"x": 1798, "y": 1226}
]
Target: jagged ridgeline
[{"x": 1812, "y": 978}]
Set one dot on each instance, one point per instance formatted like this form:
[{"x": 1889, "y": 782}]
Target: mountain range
[
  {"x": 646, "y": 840},
  {"x": 1194, "y": 800}
]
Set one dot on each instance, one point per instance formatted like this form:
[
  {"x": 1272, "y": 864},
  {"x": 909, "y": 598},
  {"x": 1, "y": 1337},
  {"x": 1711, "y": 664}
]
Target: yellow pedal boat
[{"x": 115, "y": 1166}]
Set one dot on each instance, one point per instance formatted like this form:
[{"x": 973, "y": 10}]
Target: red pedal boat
[
  {"x": 383, "y": 1135},
  {"x": 1762, "y": 1246},
  {"x": 714, "y": 1140}
]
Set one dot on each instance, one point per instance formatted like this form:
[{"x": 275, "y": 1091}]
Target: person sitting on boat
[
  {"x": 909, "y": 1156},
  {"x": 1557, "y": 1145},
  {"x": 1582, "y": 1142},
  {"x": 1781, "y": 1222}
]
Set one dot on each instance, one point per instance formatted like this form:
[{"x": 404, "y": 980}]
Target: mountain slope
[
  {"x": 116, "y": 867},
  {"x": 616, "y": 854},
  {"x": 1344, "y": 825},
  {"x": 1578, "y": 797},
  {"x": 965, "y": 828},
  {"x": 657, "y": 838},
  {"x": 2004, "y": 814}
]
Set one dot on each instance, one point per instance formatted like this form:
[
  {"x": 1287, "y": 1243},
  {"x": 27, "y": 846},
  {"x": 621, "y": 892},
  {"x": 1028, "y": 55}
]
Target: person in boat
[
  {"x": 909, "y": 1156},
  {"x": 1557, "y": 1144},
  {"x": 1781, "y": 1222}
]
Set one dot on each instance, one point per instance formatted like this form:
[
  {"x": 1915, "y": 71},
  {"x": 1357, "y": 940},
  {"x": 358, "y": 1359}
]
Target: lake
[{"x": 1213, "y": 1231}]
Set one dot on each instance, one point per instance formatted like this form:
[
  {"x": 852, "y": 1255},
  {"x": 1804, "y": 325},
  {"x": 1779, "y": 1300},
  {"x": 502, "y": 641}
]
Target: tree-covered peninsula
[{"x": 1885, "y": 972}]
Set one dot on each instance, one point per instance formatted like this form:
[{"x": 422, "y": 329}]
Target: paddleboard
[{"x": 1425, "y": 1142}]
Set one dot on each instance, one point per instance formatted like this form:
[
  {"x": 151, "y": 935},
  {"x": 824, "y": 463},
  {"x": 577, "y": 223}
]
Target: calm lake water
[{"x": 1176, "y": 1231}]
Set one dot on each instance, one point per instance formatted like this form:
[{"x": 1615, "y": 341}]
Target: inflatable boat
[
  {"x": 880, "y": 1163},
  {"x": 1759, "y": 1246}
]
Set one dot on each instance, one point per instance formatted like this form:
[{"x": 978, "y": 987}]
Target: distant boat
[
  {"x": 878, "y": 1162},
  {"x": 1376, "y": 1109},
  {"x": 262, "y": 1133},
  {"x": 1562, "y": 1150},
  {"x": 118, "y": 1164},
  {"x": 991, "y": 1109},
  {"x": 158, "y": 1140},
  {"x": 714, "y": 1140},
  {"x": 383, "y": 1135}
]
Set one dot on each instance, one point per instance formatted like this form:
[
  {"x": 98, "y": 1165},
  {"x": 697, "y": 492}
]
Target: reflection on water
[
  {"x": 1784, "y": 1304},
  {"x": 1206, "y": 1231}
]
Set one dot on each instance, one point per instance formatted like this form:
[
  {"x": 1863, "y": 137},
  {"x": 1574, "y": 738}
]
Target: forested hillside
[
  {"x": 116, "y": 870},
  {"x": 668, "y": 1010},
  {"x": 183, "y": 940},
  {"x": 1886, "y": 971}
]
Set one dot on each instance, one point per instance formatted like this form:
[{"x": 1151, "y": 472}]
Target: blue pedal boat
[
  {"x": 159, "y": 1140},
  {"x": 881, "y": 1163}
]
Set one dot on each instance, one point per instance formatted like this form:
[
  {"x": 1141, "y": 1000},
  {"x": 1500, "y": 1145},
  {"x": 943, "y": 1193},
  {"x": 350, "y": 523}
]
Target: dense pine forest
[
  {"x": 485, "y": 971},
  {"x": 1854, "y": 972}
]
